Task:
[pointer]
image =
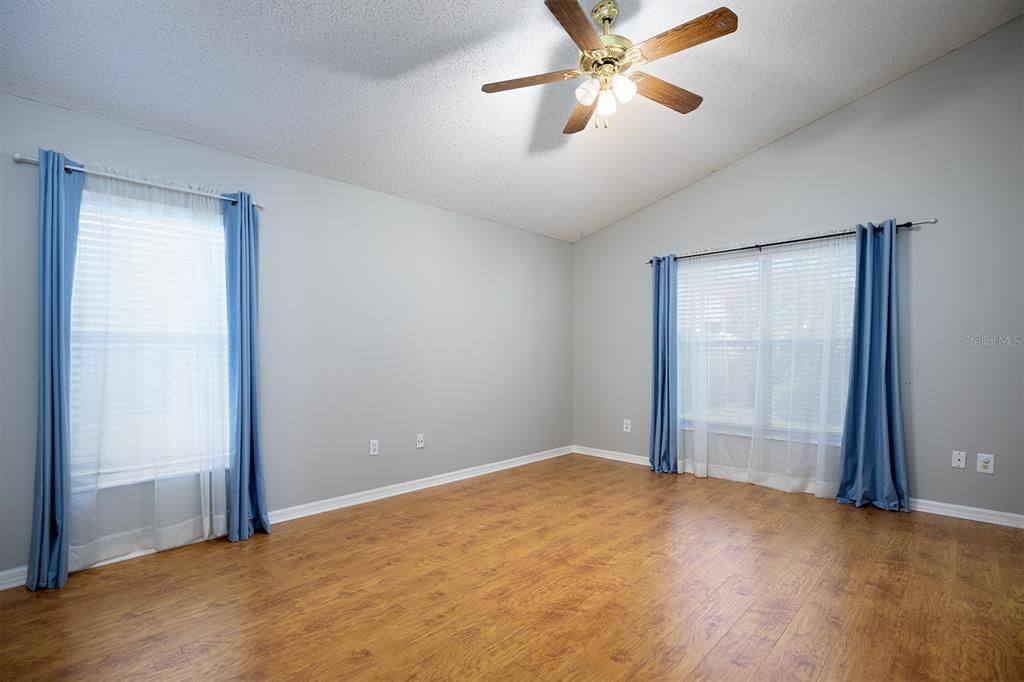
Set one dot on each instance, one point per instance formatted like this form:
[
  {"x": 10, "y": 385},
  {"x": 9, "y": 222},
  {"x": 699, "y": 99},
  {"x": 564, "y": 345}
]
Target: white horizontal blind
[
  {"x": 719, "y": 317},
  {"x": 148, "y": 381},
  {"x": 809, "y": 315},
  {"x": 765, "y": 337}
]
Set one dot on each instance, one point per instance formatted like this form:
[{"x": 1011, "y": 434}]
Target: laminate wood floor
[{"x": 570, "y": 568}]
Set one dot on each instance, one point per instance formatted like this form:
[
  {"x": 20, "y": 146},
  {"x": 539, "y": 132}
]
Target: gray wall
[
  {"x": 379, "y": 318},
  {"x": 944, "y": 141}
]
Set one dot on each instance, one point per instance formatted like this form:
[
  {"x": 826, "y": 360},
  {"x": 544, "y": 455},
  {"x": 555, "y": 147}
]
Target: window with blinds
[
  {"x": 765, "y": 339},
  {"x": 149, "y": 346}
]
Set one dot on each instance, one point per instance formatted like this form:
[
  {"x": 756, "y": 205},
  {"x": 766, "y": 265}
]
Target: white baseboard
[
  {"x": 611, "y": 454},
  {"x": 13, "y": 577},
  {"x": 320, "y": 506},
  {"x": 960, "y": 511},
  {"x": 957, "y": 511}
]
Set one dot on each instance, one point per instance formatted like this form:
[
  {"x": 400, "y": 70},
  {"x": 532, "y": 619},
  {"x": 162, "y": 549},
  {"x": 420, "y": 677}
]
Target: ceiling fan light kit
[{"x": 606, "y": 56}]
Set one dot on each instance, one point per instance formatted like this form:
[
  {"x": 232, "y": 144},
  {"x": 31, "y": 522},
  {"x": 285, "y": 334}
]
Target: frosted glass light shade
[
  {"x": 606, "y": 103},
  {"x": 624, "y": 88},
  {"x": 587, "y": 93}
]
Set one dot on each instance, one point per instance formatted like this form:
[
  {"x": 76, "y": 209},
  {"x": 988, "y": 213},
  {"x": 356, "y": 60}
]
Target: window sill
[
  {"x": 832, "y": 438},
  {"x": 130, "y": 478}
]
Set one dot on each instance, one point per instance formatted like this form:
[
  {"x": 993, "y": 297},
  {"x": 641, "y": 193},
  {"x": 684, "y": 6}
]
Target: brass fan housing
[
  {"x": 611, "y": 59},
  {"x": 605, "y": 12},
  {"x": 613, "y": 54}
]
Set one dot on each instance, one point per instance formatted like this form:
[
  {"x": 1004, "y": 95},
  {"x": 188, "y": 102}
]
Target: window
[
  {"x": 149, "y": 346},
  {"x": 765, "y": 340}
]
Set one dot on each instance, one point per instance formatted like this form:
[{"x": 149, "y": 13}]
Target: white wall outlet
[
  {"x": 627, "y": 425},
  {"x": 420, "y": 441},
  {"x": 374, "y": 447},
  {"x": 986, "y": 463},
  {"x": 959, "y": 459}
]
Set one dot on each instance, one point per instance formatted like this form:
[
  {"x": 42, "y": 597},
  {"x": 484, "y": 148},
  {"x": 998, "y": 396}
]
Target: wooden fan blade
[
  {"x": 579, "y": 118},
  {"x": 576, "y": 23},
  {"x": 714, "y": 24},
  {"x": 672, "y": 96},
  {"x": 540, "y": 79}
]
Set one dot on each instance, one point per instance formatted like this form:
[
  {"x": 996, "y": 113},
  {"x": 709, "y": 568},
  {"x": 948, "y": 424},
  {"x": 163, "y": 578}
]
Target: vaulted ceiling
[{"x": 386, "y": 94}]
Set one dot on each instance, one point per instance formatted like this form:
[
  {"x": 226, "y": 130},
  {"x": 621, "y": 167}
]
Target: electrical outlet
[
  {"x": 627, "y": 425},
  {"x": 959, "y": 459},
  {"x": 420, "y": 441},
  {"x": 374, "y": 447},
  {"x": 986, "y": 463}
]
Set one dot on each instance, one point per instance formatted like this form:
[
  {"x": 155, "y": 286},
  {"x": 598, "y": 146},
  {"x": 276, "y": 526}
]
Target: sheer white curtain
[
  {"x": 149, "y": 372},
  {"x": 764, "y": 357}
]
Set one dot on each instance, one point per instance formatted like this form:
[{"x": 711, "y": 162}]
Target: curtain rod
[
  {"x": 828, "y": 235},
  {"x": 22, "y": 158}
]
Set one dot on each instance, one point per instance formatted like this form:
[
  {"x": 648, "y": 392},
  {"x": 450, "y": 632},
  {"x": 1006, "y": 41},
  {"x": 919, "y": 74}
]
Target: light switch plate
[{"x": 959, "y": 459}]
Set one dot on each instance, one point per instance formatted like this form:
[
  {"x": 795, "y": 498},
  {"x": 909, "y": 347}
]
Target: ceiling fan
[{"x": 605, "y": 56}]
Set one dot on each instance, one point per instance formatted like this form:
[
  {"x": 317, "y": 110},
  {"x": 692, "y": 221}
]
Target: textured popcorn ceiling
[{"x": 386, "y": 94}]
